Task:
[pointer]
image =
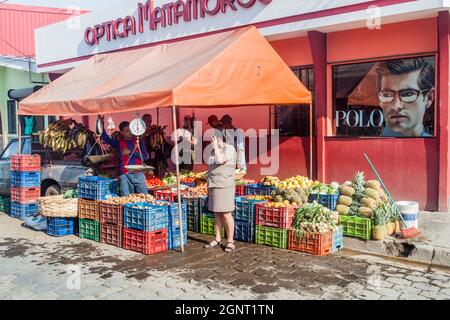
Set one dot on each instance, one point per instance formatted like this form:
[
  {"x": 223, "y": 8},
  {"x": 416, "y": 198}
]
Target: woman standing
[{"x": 221, "y": 188}]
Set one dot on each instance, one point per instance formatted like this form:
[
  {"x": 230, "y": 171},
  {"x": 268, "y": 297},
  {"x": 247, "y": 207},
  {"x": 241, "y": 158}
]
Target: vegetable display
[
  {"x": 153, "y": 182},
  {"x": 170, "y": 180},
  {"x": 199, "y": 191},
  {"x": 322, "y": 188},
  {"x": 242, "y": 182},
  {"x": 132, "y": 198},
  {"x": 314, "y": 218}
]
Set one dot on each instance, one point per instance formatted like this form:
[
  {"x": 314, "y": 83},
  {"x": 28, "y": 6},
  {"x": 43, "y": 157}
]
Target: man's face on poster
[{"x": 404, "y": 114}]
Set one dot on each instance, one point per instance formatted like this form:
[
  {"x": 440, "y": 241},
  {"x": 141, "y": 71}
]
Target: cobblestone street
[{"x": 35, "y": 266}]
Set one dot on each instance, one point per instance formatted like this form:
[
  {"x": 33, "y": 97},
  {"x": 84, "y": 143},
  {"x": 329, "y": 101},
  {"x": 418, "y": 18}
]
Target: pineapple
[
  {"x": 373, "y": 184},
  {"x": 342, "y": 210},
  {"x": 365, "y": 211},
  {"x": 379, "y": 231},
  {"x": 347, "y": 191},
  {"x": 372, "y": 193},
  {"x": 345, "y": 200},
  {"x": 369, "y": 202}
]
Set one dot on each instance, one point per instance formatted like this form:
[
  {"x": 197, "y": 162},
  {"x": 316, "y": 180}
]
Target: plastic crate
[
  {"x": 259, "y": 190},
  {"x": 193, "y": 213},
  {"x": 274, "y": 237},
  {"x": 173, "y": 238},
  {"x": 204, "y": 211},
  {"x": 89, "y": 229},
  {"x": 245, "y": 209},
  {"x": 318, "y": 244},
  {"x": 168, "y": 195},
  {"x": 207, "y": 226},
  {"x": 244, "y": 231},
  {"x": 88, "y": 209},
  {"x": 26, "y": 163},
  {"x": 111, "y": 234},
  {"x": 22, "y": 211},
  {"x": 189, "y": 184},
  {"x": 327, "y": 200},
  {"x": 5, "y": 204},
  {"x": 356, "y": 227},
  {"x": 25, "y": 195},
  {"x": 193, "y": 223},
  {"x": 145, "y": 242},
  {"x": 111, "y": 213},
  {"x": 25, "y": 179},
  {"x": 240, "y": 190},
  {"x": 97, "y": 188},
  {"x": 145, "y": 216},
  {"x": 174, "y": 218},
  {"x": 338, "y": 239},
  {"x": 60, "y": 227},
  {"x": 274, "y": 217}
]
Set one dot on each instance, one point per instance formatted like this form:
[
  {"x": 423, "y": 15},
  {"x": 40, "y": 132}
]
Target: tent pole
[
  {"x": 19, "y": 128},
  {"x": 177, "y": 165},
  {"x": 310, "y": 141}
]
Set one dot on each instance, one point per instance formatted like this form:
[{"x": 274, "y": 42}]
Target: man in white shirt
[{"x": 239, "y": 141}]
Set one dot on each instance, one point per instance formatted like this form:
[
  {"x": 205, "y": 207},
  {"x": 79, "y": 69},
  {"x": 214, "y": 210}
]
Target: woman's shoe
[
  {"x": 213, "y": 244},
  {"x": 230, "y": 247}
]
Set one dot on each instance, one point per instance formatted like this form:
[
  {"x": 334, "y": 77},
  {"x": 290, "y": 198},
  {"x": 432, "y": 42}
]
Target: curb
[{"x": 402, "y": 249}]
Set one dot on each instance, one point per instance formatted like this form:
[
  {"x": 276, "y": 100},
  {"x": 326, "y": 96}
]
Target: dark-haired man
[
  {"x": 125, "y": 145},
  {"x": 407, "y": 91}
]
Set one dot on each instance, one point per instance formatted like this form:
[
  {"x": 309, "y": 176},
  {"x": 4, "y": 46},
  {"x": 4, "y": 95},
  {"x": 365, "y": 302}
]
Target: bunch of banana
[
  {"x": 157, "y": 137},
  {"x": 65, "y": 135}
]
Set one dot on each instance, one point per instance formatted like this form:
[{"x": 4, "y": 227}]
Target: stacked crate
[
  {"x": 245, "y": 219},
  {"x": 193, "y": 213},
  {"x": 173, "y": 230},
  {"x": 5, "y": 204},
  {"x": 272, "y": 225},
  {"x": 111, "y": 223},
  {"x": 207, "y": 222},
  {"x": 25, "y": 185},
  {"x": 91, "y": 191},
  {"x": 145, "y": 228}
]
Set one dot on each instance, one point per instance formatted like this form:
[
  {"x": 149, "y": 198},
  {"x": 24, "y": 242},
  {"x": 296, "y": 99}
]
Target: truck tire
[{"x": 53, "y": 190}]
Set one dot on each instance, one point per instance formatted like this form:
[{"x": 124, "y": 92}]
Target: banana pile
[
  {"x": 65, "y": 135},
  {"x": 156, "y": 137}
]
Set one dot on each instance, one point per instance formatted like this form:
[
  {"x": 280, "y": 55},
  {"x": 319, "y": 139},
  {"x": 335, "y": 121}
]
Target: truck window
[{"x": 13, "y": 148}]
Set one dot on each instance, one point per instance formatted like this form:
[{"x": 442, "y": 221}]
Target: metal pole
[
  {"x": 310, "y": 141},
  {"x": 177, "y": 165},
  {"x": 19, "y": 127}
]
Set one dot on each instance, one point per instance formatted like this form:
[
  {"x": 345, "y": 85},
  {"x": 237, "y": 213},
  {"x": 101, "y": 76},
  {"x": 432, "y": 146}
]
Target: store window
[
  {"x": 391, "y": 98},
  {"x": 12, "y": 117},
  {"x": 294, "y": 120}
]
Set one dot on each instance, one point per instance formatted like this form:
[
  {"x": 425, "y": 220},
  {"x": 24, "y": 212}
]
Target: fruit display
[
  {"x": 259, "y": 198},
  {"x": 155, "y": 137},
  {"x": 296, "y": 182},
  {"x": 243, "y": 182},
  {"x": 297, "y": 196},
  {"x": 278, "y": 205},
  {"x": 188, "y": 180},
  {"x": 197, "y": 192},
  {"x": 65, "y": 135},
  {"x": 314, "y": 218},
  {"x": 170, "y": 180},
  {"x": 322, "y": 188},
  {"x": 270, "y": 181},
  {"x": 153, "y": 182},
  {"x": 132, "y": 198}
]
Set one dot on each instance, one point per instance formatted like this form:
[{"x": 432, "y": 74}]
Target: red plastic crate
[
  {"x": 240, "y": 191},
  {"x": 111, "y": 234},
  {"x": 319, "y": 244},
  {"x": 274, "y": 217},
  {"x": 88, "y": 209},
  {"x": 145, "y": 242},
  {"x": 25, "y": 195},
  {"x": 168, "y": 195},
  {"x": 111, "y": 213},
  {"x": 26, "y": 163}
]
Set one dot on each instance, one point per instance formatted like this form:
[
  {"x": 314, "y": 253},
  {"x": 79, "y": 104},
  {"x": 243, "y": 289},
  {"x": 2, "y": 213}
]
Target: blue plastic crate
[
  {"x": 25, "y": 179},
  {"x": 204, "y": 212},
  {"x": 259, "y": 190},
  {"x": 145, "y": 216},
  {"x": 189, "y": 184},
  {"x": 59, "y": 227},
  {"x": 245, "y": 209},
  {"x": 174, "y": 219},
  {"x": 244, "y": 231},
  {"x": 338, "y": 239},
  {"x": 21, "y": 211},
  {"x": 97, "y": 188},
  {"x": 327, "y": 200},
  {"x": 173, "y": 238}
]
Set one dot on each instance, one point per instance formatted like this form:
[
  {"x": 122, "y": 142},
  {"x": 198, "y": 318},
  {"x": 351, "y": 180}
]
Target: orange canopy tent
[{"x": 236, "y": 68}]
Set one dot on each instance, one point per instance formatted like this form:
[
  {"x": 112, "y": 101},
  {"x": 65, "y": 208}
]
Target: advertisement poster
[{"x": 392, "y": 98}]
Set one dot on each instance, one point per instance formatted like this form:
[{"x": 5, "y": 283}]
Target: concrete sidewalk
[{"x": 432, "y": 247}]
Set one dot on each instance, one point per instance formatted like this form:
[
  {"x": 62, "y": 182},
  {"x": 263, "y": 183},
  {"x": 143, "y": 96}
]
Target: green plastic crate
[
  {"x": 207, "y": 226},
  {"x": 356, "y": 227},
  {"x": 5, "y": 204},
  {"x": 273, "y": 237},
  {"x": 89, "y": 229}
]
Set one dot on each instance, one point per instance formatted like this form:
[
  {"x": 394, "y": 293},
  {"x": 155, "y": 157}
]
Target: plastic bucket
[{"x": 410, "y": 214}]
